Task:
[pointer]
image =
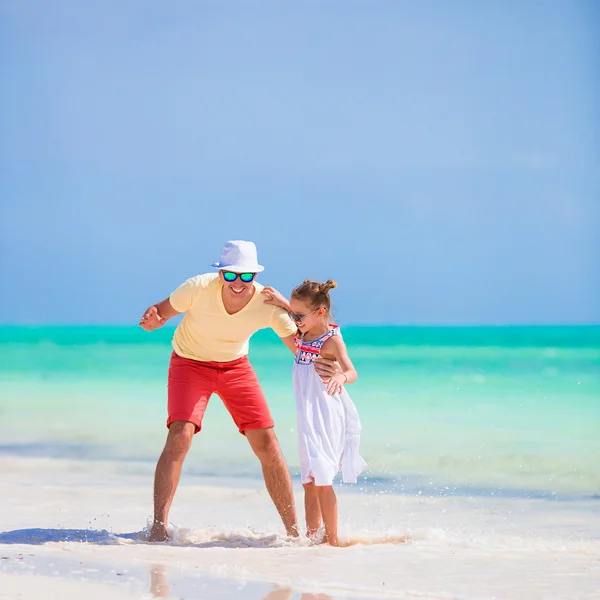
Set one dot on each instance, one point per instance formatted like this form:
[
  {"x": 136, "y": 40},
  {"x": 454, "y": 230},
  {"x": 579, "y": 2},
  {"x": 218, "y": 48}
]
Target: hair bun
[{"x": 330, "y": 284}]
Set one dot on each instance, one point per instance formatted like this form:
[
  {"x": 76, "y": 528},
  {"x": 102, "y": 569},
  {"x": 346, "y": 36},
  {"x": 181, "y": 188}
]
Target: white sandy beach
[{"x": 228, "y": 542}]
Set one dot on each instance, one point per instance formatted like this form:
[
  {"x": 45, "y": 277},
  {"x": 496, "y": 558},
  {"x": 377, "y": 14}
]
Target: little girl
[{"x": 328, "y": 424}]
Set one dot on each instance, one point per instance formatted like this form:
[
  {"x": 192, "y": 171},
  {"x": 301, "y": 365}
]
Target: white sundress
[{"x": 328, "y": 426}]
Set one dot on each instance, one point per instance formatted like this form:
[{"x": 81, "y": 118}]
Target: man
[{"x": 210, "y": 355}]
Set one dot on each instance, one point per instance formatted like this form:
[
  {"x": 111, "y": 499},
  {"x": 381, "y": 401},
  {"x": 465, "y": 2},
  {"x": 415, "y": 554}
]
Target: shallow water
[{"x": 504, "y": 411}]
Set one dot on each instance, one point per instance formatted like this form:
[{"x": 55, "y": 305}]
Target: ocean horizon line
[
  {"x": 493, "y": 326},
  {"x": 539, "y": 336}
]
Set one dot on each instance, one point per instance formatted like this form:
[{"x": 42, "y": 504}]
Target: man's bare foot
[
  {"x": 293, "y": 531},
  {"x": 158, "y": 533}
]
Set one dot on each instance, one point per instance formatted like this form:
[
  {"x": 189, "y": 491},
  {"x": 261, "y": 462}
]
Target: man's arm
[{"x": 157, "y": 315}]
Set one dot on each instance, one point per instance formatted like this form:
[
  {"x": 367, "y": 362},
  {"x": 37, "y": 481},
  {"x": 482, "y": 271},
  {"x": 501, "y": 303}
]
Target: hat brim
[{"x": 239, "y": 268}]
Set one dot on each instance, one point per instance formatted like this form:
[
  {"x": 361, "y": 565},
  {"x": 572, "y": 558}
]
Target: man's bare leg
[
  {"x": 277, "y": 477},
  {"x": 166, "y": 477}
]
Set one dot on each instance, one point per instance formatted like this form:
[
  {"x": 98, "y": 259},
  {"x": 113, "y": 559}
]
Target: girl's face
[{"x": 305, "y": 316}]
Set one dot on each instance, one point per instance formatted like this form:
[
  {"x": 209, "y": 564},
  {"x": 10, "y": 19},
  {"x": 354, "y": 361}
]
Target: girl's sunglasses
[
  {"x": 299, "y": 318},
  {"x": 229, "y": 276}
]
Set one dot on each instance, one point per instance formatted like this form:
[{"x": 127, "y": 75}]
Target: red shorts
[{"x": 192, "y": 382}]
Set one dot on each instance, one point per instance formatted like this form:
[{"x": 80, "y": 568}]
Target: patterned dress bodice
[{"x": 308, "y": 352}]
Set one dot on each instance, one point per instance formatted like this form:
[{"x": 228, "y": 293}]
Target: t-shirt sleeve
[
  {"x": 183, "y": 297},
  {"x": 281, "y": 323}
]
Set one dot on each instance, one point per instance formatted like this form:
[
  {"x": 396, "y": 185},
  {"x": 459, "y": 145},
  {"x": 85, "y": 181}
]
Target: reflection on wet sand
[
  {"x": 158, "y": 582},
  {"x": 286, "y": 594},
  {"x": 159, "y": 588}
]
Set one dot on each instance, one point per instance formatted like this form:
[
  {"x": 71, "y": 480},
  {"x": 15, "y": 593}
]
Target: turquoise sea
[{"x": 480, "y": 410}]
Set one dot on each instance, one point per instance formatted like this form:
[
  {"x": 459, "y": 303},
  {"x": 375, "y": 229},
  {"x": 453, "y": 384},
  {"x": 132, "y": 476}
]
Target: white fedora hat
[{"x": 240, "y": 257}]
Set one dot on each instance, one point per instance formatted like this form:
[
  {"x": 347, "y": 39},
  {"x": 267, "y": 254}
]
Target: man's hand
[
  {"x": 336, "y": 384},
  {"x": 151, "y": 319},
  {"x": 327, "y": 367}
]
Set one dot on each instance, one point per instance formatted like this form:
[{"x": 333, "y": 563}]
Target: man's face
[{"x": 234, "y": 284}]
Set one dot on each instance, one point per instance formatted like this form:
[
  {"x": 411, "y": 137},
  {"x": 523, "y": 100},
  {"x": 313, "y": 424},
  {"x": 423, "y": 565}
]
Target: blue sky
[{"x": 440, "y": 160}]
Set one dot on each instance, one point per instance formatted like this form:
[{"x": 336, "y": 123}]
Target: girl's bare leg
[
  {"x": 329, "y": 511},
  {"x": 312, "y": 509}
]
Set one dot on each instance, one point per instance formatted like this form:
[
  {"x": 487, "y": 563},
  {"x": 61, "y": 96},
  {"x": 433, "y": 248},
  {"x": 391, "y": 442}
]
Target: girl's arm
[
  {"x": 290, "y": 342},
  {"x": 335, "y": 347},
  {"x": 272, "y": 296}
]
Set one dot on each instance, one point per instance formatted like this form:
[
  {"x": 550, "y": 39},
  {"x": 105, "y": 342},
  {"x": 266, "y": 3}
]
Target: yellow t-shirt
[{"x": 208, "y": 333}]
